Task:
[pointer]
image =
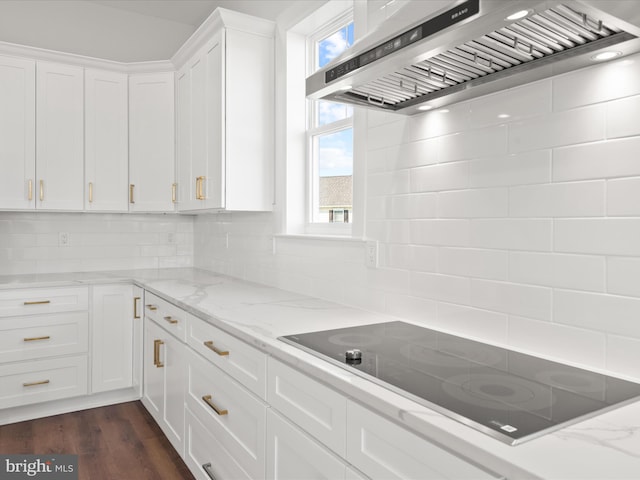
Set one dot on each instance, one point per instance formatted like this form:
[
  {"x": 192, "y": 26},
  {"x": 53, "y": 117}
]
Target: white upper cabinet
[
  {"x": 60, "y": 137},
  {"x": 106, "y": 141},
  {"x": 151, "y": 142},
  {"x": 225, "y": 101},
  {"x": 17, "y": 133}
]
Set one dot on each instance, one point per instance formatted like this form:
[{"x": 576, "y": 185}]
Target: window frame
[{"x": 314, "y": 131}]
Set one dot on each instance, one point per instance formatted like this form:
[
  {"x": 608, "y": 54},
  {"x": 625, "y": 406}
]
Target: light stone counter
[{"x": 602, "y": 448}]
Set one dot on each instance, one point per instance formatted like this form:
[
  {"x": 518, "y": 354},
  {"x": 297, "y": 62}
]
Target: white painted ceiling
[{"x": 119, "y": 30}]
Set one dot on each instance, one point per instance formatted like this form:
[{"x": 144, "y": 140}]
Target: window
[{"x": 330, "y": 134}]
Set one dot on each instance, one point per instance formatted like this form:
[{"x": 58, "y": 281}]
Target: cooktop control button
[{"x": 353, "y": 356}]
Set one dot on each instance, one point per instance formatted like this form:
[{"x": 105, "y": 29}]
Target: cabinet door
[
  {"x": 60, "y": 139},
  {"x": 138, "y": 330},
  {"x": 151, "y": 143},
  {"x": 186, "y": 187},
  {"x": 292, "y": 455},
  {"x": 164, "y": 382},
  {"x": 153, "y": 397},
  {"x": 112, "y": 342},
  {"x": 214, "y": 141},
  {"x": 106, "y": 136},
  {"x": 17, "y": 133}
]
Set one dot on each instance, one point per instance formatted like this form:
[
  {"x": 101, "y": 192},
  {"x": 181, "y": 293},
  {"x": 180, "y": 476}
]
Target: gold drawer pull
[
  {"x": 152, "y": 307},
  {"x": 39, "y": 302},
  {"x": 207, "y": 400},
  {"x": 90, "y": 192},
  {"x": 210, "y": 346},
  {"x": 172, "y": 321},
  {"x": 174, "y": 187},
  {"x": 30, "y": 189},
  {"x": 41, "y": 190},
  {"x": 33, "y": 339},
  {"x": 136, "y": 314},
  {"x": 131, "y": 187},
  {"x": 33, "y": 384},
  {"x": 156, "y": 353}
]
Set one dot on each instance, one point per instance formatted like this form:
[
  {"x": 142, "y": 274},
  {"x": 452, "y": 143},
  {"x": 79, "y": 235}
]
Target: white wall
[
  {"x": 522, "y": 231},
  {"x": 29, "y": 242}
]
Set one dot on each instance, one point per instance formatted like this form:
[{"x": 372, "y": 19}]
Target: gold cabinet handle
[
  {"x": 174, "y": 187},
  {"x": 90, "y": 192},
  {"x": 152, "y": 307},
  {"x": 136, "y": 314},
  {"x": 207, "y": 400},
  {"x": 200, "y": 188},
  {"x": 35, "y": 339},
  {"x": 156, "y": 353},
  {"x": 172, "y": 321},
  {"x": 209, "y": 345},
  {"x": 30, "y": 190},
  {"x": 41, "y": 190},
  {"x": 131, "y": 187},
  {"x": 33, "y": 384},
  {"x": 38, "y": 302}
]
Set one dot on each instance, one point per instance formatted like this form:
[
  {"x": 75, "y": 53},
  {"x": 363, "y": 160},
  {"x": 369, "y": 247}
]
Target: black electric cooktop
[{"x": 509, "y": 395}]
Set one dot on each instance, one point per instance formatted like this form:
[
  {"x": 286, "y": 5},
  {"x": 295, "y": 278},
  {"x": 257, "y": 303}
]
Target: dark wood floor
[{"x": 118, "y": 442}]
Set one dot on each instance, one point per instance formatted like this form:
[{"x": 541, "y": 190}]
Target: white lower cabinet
[
  {"x": 42, "y": 380},
  {"x": 164, "y": 374},
  {"x": 235, "y": 417},
  {"x": 205, "y": 455},
  {"x": 384, "y": 450},
  {"x": 293, "y": 455},
  {"x": 112, "y": 337}
]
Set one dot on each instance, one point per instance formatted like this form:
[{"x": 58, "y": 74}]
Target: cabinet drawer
[
  {"x": 384, "y": 450},
  {"x": 30, "y": 301},
  {"x": 293, "y": 455},
  {"x": 240, "y": 423},
  {"x": 243, "y": 362},
  {"x": 202, "y": 448},
  {"x": 42, "y": 380},
  {"x": 39, "y": 336},
  {"x": 173, "y": 319},
  {"x": 314, "y": 407}
]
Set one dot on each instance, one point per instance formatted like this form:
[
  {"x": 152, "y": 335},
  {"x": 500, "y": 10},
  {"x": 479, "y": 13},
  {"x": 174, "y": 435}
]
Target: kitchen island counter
[{"x": 604, "y": 447}]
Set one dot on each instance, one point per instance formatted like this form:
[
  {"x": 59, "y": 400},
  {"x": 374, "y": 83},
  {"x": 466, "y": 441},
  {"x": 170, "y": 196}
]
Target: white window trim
[{"x": 322, "y": 228}]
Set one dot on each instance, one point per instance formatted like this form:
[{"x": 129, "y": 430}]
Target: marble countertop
[{"x": 604, "y": 447}]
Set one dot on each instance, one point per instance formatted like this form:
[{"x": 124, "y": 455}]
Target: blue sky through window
[
  {"x": 333, "y": 45},
  {"x": 336, "y": 153}
]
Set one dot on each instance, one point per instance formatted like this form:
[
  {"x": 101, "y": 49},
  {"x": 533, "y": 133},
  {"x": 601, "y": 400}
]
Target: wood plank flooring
[{"x": 118, "y": 442}]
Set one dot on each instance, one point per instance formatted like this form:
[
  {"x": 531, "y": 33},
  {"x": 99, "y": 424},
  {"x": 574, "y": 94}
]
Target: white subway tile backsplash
[
  {"x": 423, "y": 259},
  {"x": 439, "y": 232},
  {"x": 388, "y": 183},
  {"x": 623, "y": 276},
  {"x": 578, "y": 272},
  {"x": 623, "y": 197},
  {"x": 576, "y": 345},
  {"x": 518, "y": 103},
  {"x": 418, "y": 154},
  {"x": 623, "y": 356},
  {"x": 599, "y": 83},
  {"x": 480, "y": 324},
  {"x": 437, "y": 123},
  {"x": 412, "y": 206},
  {"x": 448, "y": 176},
  {"x": 623, "y": 117},
  {"x": 515, "y": 169},
  {"x": 412, "y": 308},
  {"x": 606, "y": 236},
  {"x": 483, "y": 142},
  {"x": 511, "y": 234},
  {"x": 471, "y": 262},
  {"x": 604, "y": 313},
  {"x": 488, "y": 202},
  {"x": 446, "y": 288},
  {"x": 388, "y": 134},
  {"x": 613, "y": 158},
  {"x": 575, "y": 199},
  {"x": 512, "y": 298},
  {"x": 570, "y": 127}
]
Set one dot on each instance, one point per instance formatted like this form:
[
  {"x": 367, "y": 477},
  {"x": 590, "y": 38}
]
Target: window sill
[{"x": 313, "y": 236}]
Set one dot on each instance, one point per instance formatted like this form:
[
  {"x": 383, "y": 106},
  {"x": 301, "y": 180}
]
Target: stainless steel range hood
[{"x": 470, "y": 48}]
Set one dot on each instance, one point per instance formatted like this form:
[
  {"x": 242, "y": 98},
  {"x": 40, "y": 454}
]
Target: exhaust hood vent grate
[{"x": 540, "y": 38}]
